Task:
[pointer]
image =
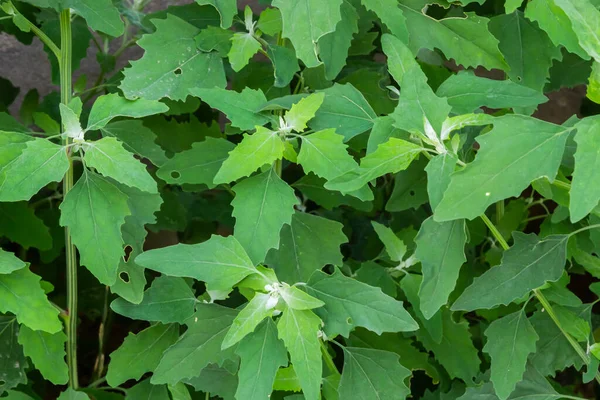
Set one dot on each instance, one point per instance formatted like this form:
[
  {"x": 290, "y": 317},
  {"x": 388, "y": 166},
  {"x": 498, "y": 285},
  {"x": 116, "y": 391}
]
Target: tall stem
[{"x": 65, "y": 97}]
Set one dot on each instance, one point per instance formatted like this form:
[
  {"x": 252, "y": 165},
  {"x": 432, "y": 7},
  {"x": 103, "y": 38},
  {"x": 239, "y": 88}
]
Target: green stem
[
  {"x": 542, "y": 299},
  {"x": 499, "y": 211},
  {"x": 71, "y": 254},
  {"x": 561, "y": 184},
  {"x": 328, "y": 360},
  {"x": 278, "y": 167},
  {"x": 38, "y": 32}
]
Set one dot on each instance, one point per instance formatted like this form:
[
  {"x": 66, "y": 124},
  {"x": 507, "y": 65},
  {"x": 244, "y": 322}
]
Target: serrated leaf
[
  {"x": 345, "y": 109},
  {"x": 260, "y": 148},
  {"x": 47, "y": 351},
  {"x": 305, "y": 22},
  {"x": 510, "y": 340},
  {"x": 262, "y": 206},
  {"x": 334, "y": 46},
  {"x": 198, "y": 165},
  {"x": 285, "y": 64},
  {"x": 303, "y": 111},
  {"x": 466, "y": 92},
  {"x": 372, "y": 374},
  {"x": 324, "y": 153},
  {"x": 242, "y": 108},
  {"x": 199, "y": 346},
  {"x": 297, "y": 257},
  {"x": 13, "y": 362},
  {"x": 390, "y": 14},
  {"x": 227, "y": 9},
  {"x": 9, "y": 262},
  {"x": 21, "y": 294},
  {"x": 394, "y": 246},
  {"x": 243, "y": 47},
  {"x": 585, "y": 19},
  {"x": 137, "y": 139},
  {"x": 248, "y": 319},
  {"x": 350, "y": 303},
  {"x": 261, "y": 353},
  {"x": 39, "y": 163},
  {"x": 441, "y": 250},
  {"x": 171, "y": 64},
  {"x": 298, "y": 329},
  {"x": 109, "y": 157},
  {"x": 585, "y": 192},
  {"x": 168, "y": 300},
  {"x": 516, "y": 152},
  {"x": 94, "y": 211},
  {"x": 220, "y": 262},
  {"x": 111, "y": 106},
  {"x": 140, "y": 353},
  {"x": 527, "y": 265}
]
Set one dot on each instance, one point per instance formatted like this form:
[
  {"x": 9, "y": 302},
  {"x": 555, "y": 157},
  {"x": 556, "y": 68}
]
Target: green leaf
[
  {"x": 21, "y": 294},
  {"x": 305, "y": 22},
  {"x": 297, "y": 299},
  {"x": 399, "y": 57},
  {"x": 466, "y": 92},
  {"x": 19, "y": 224},
  {"x": 94, "y": 211},
  {"x": 257, "y": 309},
  {"x": 147, "y": 391},
  {"x": 324, "y": 154},
  {"x": 109, "y": 157},
  {"x": 140, "y": 353},
  {"x": 216, "y": 381},
  {"x": 13, "y": 362},
  {"x": 198, "y": 165},
  {"x": 350, "y": 303},
  {"x": 593, "y": 89},
  {"x": 585, "y": 18},
  {"x": 383, "y": 130},
  {"x": 168, "y": 300},
  {"x": 71, "y": 394},
  {"x": 372, "y": 374},
  {"x": 510, "y": 340},
  {"x": 9, "y": 262},
  {"x": 345, "y": 109},
  {"x": 262, "y": 147},
  {"x": 527, "y": 50},
  {"x": 111, "y": 106},
  {"x": 527, "y": 265},
  {"x": 137, "y": 139},
  {"x": 242, "y": 108},
  {"x": 410, "y": 188},
  {"x": 199, "y": 346},
  {"x": 298, "y": 329},
  {"x": 287, "y": 380},
  {"x": 221, "y": 262},
  {"x": 243, "y": 47},
  {"x": 390, "y": 15},
  {"x": 303, "y": 111},
  {"x": 179, "y": 391},
  {"x": 391, "y": 157},
  {"x": 439, "y": 170},
  {"x": 441, "y": 250},
  {"x": 171, "y": 64},
  {"x": 214, "y": 38},
  {"x": 297, "y": 258},
  {"x": 410, "y": 285},
  {"x": 374, "y": 274},
  {"x": 227, "y": 9},
  {"x": 285, "y": 64},
  {"x": 261, "y": 353},
  {"x": 585, "y": 191},
  {"x": 262, "y": 206},
  {"x": 313, "y": 188},
  {"x": 47, "y": 351},
  {"x": 39, "y": 163},
  {"x": 334, "y": 46},
  {"x": 467, "y": 40},
  {"x": 517, "y": 151},
  {"x": 394, "y": 246}
]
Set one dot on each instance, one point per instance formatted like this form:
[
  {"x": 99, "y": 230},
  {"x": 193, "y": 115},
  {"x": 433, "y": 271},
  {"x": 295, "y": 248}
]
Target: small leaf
[
  {"x": 390, "y": 15},
  {"x": 227, "y": 9},
  {"x": 303, "y": 111},
  {"x": 111, "y": 106},
  {"x": 399, "y": 57},
  {"x": 285, "y": 64},
  {"x": 394, "y": 246},
  {"x": 243, "y": 47},
  {"x": 137, "y": 139},
  {"x": 71, "y": 394},
  {"x": 439, "y": 171},
  {"x": 296, "y": 299},
  {"x": 47, "y": 351},
  {"x": 13, "y": 362},
  {"x": 248, "y": 319},
  {"x": 324, "y": 154},
  {"x": 214, "y": 38}
]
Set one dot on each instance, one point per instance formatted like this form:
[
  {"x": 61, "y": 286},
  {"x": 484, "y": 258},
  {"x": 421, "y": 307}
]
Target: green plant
[{"x": 360, "y": 227}]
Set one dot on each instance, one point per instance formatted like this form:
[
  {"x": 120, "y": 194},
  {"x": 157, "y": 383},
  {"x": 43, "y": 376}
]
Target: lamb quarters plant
[{"x": 303, "y": 199}]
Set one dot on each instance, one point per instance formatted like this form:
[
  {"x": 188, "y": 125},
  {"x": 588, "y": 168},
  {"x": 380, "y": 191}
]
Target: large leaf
[
  {"x": 585, "y": 18},
  {"x": 297, "y": 257},
  {"x": 9, "y": 262},
  {"x": 111, "y": 106},
  {"x": 172, "y": 64},
  {"x": 221, "y": 262},
  {"x": 305, "y": 22},
  {"x": 440, "y": 248},
  {"x": 350, "y": 303},
  {"x": 390, "y": 14},
  {"x": 47, "y": 351},
  {"x": 262, "y": 205},
  {"x": 510, "y": 340},
  {"x": 13, "y": 362},
  {"x": 324, "y": 154},
  {"x": 94, "y": 211},
  {"x": 261, "y": 354},
  {"x": 334, "y": 46},
  {"x": 585, "y": 190},
  {"x": 372, "y": 374},
  {"x": 517, "y": 151},
  {"x": 527, "y": 265},
  {"x": 20, "y": 224}
]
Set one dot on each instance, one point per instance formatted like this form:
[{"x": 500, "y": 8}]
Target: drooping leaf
[
  {"x": 47, "y": 351},
  {"x": 172, "y": 64},
  {"x": 262, "y": 354},
  {"x": 510, "y": 340},
  {"x": 220, "y": 262},
  {"x": 585, "y": 192},
  {"x": 94, "y": 211},
  {"x": 256, "y": 228},
  {"x": 20, "y": 224},
  {"x": 13, "y": 362},
  {"x": 517, "y": 151},
  {"x": 527, "y": 265},
  {"x": 350, "y": 303},
  {"x": 334, "y": 46},
  {"x": 140, "y": 353},
  {"x": 372, "y": 374},
  {"x": 111, "y": 106}
]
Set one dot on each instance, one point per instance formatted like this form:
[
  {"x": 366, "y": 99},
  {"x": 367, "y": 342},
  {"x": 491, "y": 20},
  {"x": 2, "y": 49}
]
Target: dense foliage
[{"x": 306, "y": 199}]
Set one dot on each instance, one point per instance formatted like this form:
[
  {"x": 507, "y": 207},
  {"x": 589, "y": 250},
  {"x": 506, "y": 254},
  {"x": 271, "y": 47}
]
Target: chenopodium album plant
[{"x": 374, "y": 220}]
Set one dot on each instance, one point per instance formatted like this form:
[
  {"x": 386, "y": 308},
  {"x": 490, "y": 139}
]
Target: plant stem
[
  {"x": 71, "y": 255},
  {"x": 542, "y": 299},
  {"x": 328, "y": 360},
  {"x": 38, "y": 32},
  {"x": 499, "y": 211},
  {"x": 561, "y": 184}
]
